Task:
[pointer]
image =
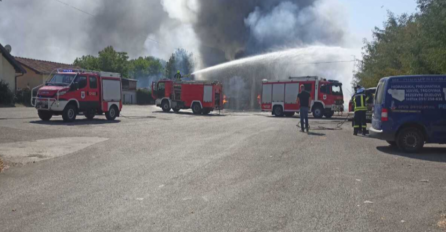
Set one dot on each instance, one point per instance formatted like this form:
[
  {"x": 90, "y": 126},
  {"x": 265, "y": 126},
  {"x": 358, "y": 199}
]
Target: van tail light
[{"x": 384, "y": 115}]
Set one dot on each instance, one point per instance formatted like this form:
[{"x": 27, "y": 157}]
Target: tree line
[
  {"x": 110, "y": 60},
  {"x": 408, "y": 44}
]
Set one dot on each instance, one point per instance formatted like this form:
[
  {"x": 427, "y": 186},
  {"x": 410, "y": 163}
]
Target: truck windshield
[
  {"x": 61, "y": 79},
  {"x": 336, "y": 89}
]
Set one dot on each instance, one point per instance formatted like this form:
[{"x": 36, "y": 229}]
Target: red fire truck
[
  {"x": 70, "y": 92},
  {"x": 280, "y": 97},
  {"x": 202, "y": 96}
]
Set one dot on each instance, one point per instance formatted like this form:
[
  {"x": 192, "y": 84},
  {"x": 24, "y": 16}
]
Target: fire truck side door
[
  {"x": 92, "y": 93},
  {"x": 310, "y": 88},
  {"x": 80, "y": 93},
  {"x": 161, "y": 90}
]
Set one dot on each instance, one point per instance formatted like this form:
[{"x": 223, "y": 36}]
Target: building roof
[
  {"x": 18, "y": 68},
  {"x": 43, "y": 66},
  {"x": 129, "y": 79}
]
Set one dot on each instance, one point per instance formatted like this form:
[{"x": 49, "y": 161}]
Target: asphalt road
[{"x": 152, "y": 171}]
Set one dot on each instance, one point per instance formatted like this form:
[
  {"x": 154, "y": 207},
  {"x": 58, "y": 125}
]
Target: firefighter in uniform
[
  {"x": 360, "y": 107},
  {"x": 177, "y": 76}
]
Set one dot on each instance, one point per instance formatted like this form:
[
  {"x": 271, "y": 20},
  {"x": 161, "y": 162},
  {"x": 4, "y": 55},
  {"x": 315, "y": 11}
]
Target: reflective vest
[
  {"x": 177, "y": 76},
  {"x": 359, "y": 102}
]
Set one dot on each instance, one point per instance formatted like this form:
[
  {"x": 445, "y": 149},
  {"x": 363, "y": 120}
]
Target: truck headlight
[{"x": 62, "y": 93}]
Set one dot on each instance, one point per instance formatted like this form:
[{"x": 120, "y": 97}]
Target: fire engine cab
[
  {"x": 70, "y": 92},
  {"x": 201, "y": 96},
  {"x": 280, "y": 97}
]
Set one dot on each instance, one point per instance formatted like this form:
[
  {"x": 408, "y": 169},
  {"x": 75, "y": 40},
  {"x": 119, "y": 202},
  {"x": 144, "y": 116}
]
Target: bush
[
  {"x": 144, "y": 97},
  {"x": 6, "y": 96},
  {"x": 24, "y": 97}
]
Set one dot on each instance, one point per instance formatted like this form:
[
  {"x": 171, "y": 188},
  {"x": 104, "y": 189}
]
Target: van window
[{"x": 380, "y": 92}]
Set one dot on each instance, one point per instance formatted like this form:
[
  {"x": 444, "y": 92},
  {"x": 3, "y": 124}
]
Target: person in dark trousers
[
  {"x": 360, "y": 107},
  {"x": 304, "y": 99}
]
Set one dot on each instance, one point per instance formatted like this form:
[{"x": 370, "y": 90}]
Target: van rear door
[{"x": 379, "y": 104}]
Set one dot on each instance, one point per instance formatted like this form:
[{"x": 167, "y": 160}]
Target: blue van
[{"x": 410, "y": 111}]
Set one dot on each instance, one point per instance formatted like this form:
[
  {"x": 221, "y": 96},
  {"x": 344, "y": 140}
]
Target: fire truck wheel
[
  {"x": 278, "y": 111},
  {"x": 329, "y": 113},
  {"x": 112, "y": 113},
  {"x": 206, "y": 111},
  {"x": 318, "y": 112},
  {"x": 165, "y": 105},
  {"x": 45, "y": 115},
  {"x": 69, "y": 113},
  {"x": 196, "y": 108},
  {"x": 90, "y": 114}
]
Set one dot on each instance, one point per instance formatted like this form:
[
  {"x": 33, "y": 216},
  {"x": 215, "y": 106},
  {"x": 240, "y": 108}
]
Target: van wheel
[
  {"x": 165, "y": 106},
  {"x": 392, "y": 143},
  {"x": 90, "y": 114},
  {"x": 410, "y": 140},
  {"x": 45, "y": 115},
  {"x": 318, "y": 112},
  {"x": 196, "y": 108},
  {"x": 278, "y": 111},
  {"x": 69, "y": 113}
]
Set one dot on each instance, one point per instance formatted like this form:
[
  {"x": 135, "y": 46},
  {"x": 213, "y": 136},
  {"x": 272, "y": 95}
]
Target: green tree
[
  {"x": 108, "y": 60},
  {"x": 170, "y": 67},
  {"x": 181, "y": 61},
  {"x": 408, "y": 44},
  {"x": 87, "y": 62},
  {"x": 143, "y": 67},
  {"x": 113, "y": 61}
]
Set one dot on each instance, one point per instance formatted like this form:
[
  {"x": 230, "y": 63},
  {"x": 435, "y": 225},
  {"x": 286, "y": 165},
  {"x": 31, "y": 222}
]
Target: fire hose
[{"x": 338, "y": 125}]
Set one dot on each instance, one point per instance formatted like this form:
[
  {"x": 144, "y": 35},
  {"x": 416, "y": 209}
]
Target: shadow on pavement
[
  {"x": 18, "y": 118},
  {"x": 213, "y": 114},
  {"x": 309, "y": 117},
  {"x": 435, "y": 154},
  {"x": 137, "y": 117},
  {"x": 315, "y": 134},
  {"x": 76, "y": 122}
]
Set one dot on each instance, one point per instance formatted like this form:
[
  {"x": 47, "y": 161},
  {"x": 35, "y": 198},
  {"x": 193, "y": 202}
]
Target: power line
[{"x": 80, "y": 10}]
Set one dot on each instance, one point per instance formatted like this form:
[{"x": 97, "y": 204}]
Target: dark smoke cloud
[
  {"x": 215, "y": 30},
  {"x": 44, "y": 29},
  {"x": 231, "y": 29},
  {"x": 125, "y": 24}
]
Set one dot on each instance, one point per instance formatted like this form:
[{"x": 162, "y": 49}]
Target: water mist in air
[{"x": 242, "y": 79}]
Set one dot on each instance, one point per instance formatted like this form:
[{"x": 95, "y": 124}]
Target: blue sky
[{"x": 364, "y": 15}]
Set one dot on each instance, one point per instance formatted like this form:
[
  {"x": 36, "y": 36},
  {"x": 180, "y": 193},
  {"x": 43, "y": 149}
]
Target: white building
[{"x": 9, "y": 68}]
